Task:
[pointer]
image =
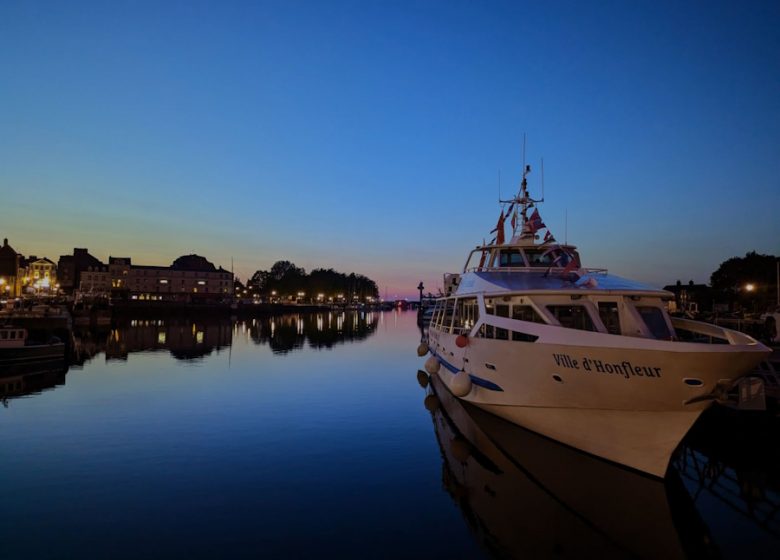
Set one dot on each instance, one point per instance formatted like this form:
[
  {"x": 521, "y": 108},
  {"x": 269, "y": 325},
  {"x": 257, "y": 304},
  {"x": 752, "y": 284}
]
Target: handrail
[
  {"x": 707, "y": 329},
  {"x": 553, "y": 270}
]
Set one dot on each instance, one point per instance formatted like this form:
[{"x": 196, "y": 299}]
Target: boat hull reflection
[{"x": 526, "y": 495}]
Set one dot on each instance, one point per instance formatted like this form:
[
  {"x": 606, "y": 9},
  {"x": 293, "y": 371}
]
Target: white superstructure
[{"x": 579, "y": 355}]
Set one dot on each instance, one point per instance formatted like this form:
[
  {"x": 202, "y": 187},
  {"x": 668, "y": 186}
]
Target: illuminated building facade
[{"x": 191, "y": 278}]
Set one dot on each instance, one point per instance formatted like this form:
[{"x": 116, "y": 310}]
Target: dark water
[{"x": 310, "y": 436}]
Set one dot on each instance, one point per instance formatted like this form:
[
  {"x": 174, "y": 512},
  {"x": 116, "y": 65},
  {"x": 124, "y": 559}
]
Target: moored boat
[
  {"x": 16, "y": 350},
  {"x": 582, "y": 356}
]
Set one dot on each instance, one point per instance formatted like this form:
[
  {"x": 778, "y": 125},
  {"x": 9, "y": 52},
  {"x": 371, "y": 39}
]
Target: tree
[{"x": 750, "y": 281}]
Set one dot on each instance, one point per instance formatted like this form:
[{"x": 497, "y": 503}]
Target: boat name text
[{"x": 625, "y": 368}]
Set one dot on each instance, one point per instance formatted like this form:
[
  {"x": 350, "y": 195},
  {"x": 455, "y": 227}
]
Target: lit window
[{"x": 163, "y": 281}]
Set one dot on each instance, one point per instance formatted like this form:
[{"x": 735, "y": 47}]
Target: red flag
[
  {"x": 500, "y": 228},
  {"x": 535, "y": 222},
  {"x": 569, "y": 267}
]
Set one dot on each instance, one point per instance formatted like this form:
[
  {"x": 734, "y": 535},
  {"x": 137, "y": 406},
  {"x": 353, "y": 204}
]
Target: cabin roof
[{"x": 500, "y": 282}]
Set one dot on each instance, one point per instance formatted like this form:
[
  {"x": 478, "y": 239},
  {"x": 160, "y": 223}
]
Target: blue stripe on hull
[{"x": 474, "y": 379}]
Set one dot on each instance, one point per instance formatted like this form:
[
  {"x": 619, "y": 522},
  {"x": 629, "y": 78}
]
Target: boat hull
[
  {"x": 630, "y": 406},
  {"x": 25, "y": 355}
]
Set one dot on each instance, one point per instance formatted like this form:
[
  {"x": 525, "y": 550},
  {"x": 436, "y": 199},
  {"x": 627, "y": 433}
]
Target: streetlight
[{"x": 750, "y": 287}]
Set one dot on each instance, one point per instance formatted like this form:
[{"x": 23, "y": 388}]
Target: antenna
[
  {"x": 566, "y": 234},
  {"x": 523, "y": 150}
]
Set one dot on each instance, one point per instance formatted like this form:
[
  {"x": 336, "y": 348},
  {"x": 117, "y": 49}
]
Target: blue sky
[{"x": 368, "y": 136}]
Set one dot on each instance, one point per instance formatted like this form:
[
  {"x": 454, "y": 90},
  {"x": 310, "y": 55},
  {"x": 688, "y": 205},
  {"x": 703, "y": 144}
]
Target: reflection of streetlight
[{"x": 750, "y": 287}]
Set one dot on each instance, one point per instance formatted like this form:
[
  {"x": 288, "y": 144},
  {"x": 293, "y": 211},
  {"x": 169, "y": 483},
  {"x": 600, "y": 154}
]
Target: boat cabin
[
  {"x": 642, "y": 316},
  {"x": 12, "y": 337},
  {"x": 520, "y": 257}
]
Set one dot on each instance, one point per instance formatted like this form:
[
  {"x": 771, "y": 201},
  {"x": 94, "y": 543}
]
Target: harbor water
[{"x": 311, "y": 435}]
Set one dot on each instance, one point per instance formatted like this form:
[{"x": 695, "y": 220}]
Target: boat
[
  {"x": 17, "y": 351},
  {"x": 579, "y": 355}
]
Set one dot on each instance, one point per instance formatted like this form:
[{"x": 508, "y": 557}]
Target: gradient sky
[{"x": 368, "y": 136}]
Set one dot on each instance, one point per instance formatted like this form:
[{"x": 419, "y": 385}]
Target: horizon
[{"x": 369, "y": 138}]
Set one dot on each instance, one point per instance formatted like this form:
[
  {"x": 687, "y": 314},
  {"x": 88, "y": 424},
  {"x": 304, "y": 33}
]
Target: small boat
[
  {"x": 579, "y": 355},
  {"x": 17, "y": 350}
]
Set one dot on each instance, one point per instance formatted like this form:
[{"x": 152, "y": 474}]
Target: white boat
[{"x": 579, "y": 355}]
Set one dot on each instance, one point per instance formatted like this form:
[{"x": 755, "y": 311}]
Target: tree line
[{"x": 288, "y": 280}]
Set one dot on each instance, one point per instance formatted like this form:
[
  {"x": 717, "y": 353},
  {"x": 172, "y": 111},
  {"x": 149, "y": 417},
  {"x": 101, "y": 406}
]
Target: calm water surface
[{"x": 310, "y": 435}]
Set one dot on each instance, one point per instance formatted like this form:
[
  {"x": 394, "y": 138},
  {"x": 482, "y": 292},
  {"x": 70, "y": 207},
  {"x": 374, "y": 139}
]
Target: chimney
[{"x": 5, "y": 242}]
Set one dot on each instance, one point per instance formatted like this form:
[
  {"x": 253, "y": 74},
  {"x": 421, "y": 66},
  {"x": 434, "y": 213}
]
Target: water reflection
[
  {"x": 320, "y": 330},
  {"x": 189, "y": 339},
  {"x": 524, "y": 495},
  {"x": 185, "y": 339},
  {"x": 30, "y": 380},
  {"x": 730, "y": 463}
]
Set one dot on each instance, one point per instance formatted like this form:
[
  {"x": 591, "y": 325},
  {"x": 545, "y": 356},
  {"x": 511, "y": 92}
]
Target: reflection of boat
[
  {"x": 16, "y": 350},
  {"x": 31, "y": 378},
  {"x": 579, "y": 355},
  {"x": 526, "y": 495}
]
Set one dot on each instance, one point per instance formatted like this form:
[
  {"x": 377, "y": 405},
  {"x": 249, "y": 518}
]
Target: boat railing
[
  {"x": 696, "y": 331},
  {"x": 550, "y": 270}
]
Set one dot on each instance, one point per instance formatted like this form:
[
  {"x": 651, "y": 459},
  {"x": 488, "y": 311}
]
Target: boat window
[
  {"x": 486, "y": 331},
  {"x": 525, "y": 313},
  {"x": 544, "y": 258},
  {"x": 655, "y": 321},
  {"x": 502, "y": 310},
  {"x": 449, "y": 310},
  {"x": 511, "y": 258},
  {"x": 572, "y": 316},
  {"x": 466, "y": 314},
  {"x": 523, "y": 337},
  {"x": 489, "y": 331},
  {"x": 608, "y": 311}
]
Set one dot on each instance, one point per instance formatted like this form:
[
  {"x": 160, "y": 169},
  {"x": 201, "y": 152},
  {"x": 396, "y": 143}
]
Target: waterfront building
[
  {"x": 190, "y": 278},
  {"x": 690, "y": 297},
  {"x": 70, "y": 268},
  {"x": 40, "y": 274},
  {"x": 10, "y": 278},
  {"x": 95, "y": 280}
]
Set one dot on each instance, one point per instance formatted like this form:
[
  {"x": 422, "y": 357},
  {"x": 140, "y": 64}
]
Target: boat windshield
[{"x": 655, "y": 321}]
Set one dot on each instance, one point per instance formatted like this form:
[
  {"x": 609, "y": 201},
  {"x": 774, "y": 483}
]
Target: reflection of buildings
[
  {"x": 322, "y": 330},
  {"x": 523, "y": 495},
  {"x": 184, "y": 339},
  {"x": 190, "y": 338},
  {"x": 732, "y": 459}
]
